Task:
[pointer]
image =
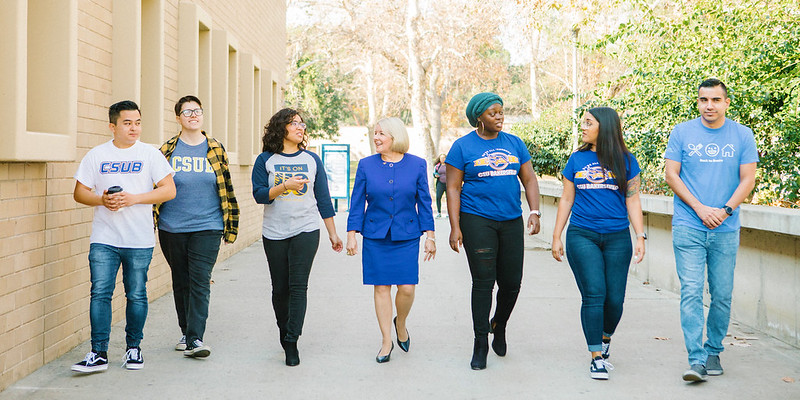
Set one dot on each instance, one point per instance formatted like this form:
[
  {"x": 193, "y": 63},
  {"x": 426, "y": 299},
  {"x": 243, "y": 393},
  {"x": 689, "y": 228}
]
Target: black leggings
[
  {"x": 289, "y": 267},
  {"x": 494, "y": 253},
  {"x": 440, "y": 189}
]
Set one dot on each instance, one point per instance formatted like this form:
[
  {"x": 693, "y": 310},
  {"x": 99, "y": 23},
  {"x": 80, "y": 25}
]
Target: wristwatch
[
  {"x": 728, "y": 210},
  {"x": 642, "y": 235},
  {"x": 536, "y": 213}
]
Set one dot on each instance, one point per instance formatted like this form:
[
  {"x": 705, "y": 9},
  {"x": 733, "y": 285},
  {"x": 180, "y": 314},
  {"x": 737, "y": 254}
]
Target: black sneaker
[
  {"x": 606, "y": 352},
  {"x": 94, "y": 362},
  {"x": 181, "y": 346},
  {"x": 197, "y": 349},
  {"x": 697, "y": 373},
  {"x": 713, "y": 366},
  {"x": 133, "y": 358},
  {"x": 599, "y": 368}
]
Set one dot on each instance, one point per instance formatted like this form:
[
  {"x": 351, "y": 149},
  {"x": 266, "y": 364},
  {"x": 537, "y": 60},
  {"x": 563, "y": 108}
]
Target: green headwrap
[{"x": 479, "y": 103}]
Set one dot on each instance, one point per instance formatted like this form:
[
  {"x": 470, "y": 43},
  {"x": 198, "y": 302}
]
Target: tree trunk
[
  {"x": 534, "y": 73},
  {"x": 371, "y": 106},
  {"x": 417, "y": 78},
  {"x": 575, "y": 131}
]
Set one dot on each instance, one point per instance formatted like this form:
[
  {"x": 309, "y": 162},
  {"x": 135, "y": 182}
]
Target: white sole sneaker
[
  {"x": 198, "y": 352},
  {"x": 87, "y": 370}
]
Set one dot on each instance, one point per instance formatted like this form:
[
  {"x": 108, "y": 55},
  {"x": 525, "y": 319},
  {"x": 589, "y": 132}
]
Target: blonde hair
[{"x": 395, "y": 128}]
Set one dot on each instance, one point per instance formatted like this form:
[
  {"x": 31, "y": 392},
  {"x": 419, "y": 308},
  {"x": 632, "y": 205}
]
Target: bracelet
[
  {"x": 431, "y": 239},
  {"x": 284, "y": 186}
]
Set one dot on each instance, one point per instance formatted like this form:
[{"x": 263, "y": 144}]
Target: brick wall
[{"x": 44, "y": 233}]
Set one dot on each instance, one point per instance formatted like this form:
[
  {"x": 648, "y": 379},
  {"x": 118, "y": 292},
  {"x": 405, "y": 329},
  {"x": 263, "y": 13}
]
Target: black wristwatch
[{"x": 728, "y": 210}]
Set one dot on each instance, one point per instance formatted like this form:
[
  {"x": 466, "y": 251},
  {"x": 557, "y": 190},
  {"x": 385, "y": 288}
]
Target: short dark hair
[
  {"x": 275, "y": 131},
  {"x": 186, "y": 99},
  {"x": 117, "y": 108},
  {"x": 712, "y": 83}
]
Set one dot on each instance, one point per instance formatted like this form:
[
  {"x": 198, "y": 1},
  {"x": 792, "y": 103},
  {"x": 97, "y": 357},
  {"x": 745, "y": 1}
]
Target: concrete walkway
[{"x": 547, "y": 356}]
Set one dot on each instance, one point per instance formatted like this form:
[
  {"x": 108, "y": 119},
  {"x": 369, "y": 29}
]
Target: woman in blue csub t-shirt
[
  {"x": 191, "y": 225},
  {"x": 598, "y": 239},
  {"x": 484, "y": 169}
]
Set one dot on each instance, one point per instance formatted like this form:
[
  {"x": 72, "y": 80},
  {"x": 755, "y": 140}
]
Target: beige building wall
[{"x": 64, "y": 63}]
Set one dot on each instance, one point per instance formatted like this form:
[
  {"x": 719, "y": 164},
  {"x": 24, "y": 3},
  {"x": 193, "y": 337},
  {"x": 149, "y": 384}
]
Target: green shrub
[{"x": 548, "y": 141}]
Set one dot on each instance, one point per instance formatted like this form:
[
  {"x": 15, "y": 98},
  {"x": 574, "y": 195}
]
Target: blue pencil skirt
[{"x": 390, "y": 262}]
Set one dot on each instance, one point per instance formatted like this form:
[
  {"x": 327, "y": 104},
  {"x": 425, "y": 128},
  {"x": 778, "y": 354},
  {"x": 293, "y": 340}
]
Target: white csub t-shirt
[{"x": 136, "y": 169}]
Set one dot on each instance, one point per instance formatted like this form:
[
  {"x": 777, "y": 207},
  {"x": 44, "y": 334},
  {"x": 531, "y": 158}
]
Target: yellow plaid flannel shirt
[{"x": 219, "y": 163}]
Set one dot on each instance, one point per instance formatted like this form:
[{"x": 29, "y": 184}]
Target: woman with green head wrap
[{"x": 483, "y": 194}]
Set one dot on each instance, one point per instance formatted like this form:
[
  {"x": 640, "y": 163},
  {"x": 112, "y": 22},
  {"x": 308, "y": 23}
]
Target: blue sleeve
[
  {"x": 749, "y": 152},
  {"x": 321, "y": 192},
  {"x": 673, "y": 151},
  {"x": 522, "y": 150},
  {"x": 424, "y": 208},
  {"x": 633, "y": 167},
  {"x": 260, "y": 179},
  {"x": 358, "y": 200},
  {"x": 455, "y": 156},
  {"x": 569, "y": 170}
]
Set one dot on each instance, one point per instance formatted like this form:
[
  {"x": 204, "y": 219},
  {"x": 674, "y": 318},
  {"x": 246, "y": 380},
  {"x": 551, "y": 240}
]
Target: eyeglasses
[
  {"x": 188, "y": 113},
  {"x": 298, "y": 124}
]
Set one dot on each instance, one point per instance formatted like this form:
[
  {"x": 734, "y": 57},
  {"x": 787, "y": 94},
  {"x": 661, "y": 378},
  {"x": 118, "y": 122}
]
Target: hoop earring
[{"x": 483, "y": 127}]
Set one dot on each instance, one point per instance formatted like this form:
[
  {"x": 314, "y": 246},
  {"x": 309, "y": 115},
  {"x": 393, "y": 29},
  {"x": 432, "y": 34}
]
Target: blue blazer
[{"x": 391, "y": 196}]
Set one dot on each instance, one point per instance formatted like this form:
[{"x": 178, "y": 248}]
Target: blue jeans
[
  {"x": 600, "y": 264},
  {"x": 694, "y": 251},
  {"x": 104, "y": 262}
]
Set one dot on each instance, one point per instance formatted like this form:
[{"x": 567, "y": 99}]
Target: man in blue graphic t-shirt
[{"x": 711, "y": 167}]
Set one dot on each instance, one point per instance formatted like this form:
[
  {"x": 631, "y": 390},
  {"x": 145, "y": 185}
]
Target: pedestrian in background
[
  {"x": 291, "y": 183},
  {"x": 191, "y": 226},
  {"x": 601, "y": 192},
  {"x": 440, "y": 174},
  {"x": 391, "y": 208},
  {"x": 484, "y": 169}
]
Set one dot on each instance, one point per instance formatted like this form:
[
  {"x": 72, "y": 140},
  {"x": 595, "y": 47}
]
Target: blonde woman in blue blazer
[{"x": 391, "y": 208}]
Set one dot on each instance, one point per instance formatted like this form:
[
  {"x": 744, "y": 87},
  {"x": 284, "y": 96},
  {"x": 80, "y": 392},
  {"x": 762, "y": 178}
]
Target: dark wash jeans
[
  {"x": 495, "y": 254},
  {"x": 289, "y": 268},
  {"x": 191, "y": 257},
  {"x": 600, "y": 264}
]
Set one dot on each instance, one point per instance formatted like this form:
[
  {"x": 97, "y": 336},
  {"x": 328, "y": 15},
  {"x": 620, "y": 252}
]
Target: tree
[{"x": 752, "y": 46}]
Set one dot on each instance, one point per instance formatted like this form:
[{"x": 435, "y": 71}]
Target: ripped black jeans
[{"x": 494, "y": 253}]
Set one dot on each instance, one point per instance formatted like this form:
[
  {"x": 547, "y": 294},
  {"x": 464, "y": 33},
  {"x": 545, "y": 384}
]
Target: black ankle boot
[
  {"x": 292, "y": 355},
  {"x": 479, "y": 352},
  {"x": 282, "y": 334},
  {"x": 499, "y": 343}
]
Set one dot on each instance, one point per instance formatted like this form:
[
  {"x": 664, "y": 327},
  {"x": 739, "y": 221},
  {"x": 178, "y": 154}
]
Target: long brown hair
[{"x": 275, "y": 131}]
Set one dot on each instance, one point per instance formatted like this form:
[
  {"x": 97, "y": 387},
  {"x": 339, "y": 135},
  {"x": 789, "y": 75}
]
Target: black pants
[
  {"x": 191, "y": 257},
  {"x": 494, "y": 253},
  {"x": 289, "y": 267},
  {"x": 440, "y": 189}
]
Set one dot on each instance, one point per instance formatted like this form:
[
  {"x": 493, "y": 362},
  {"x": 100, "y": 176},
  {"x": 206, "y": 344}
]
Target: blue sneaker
[
  {"x": 713, "y": 367},
  {"x": 697, "y": 373},
  {"x": 599, "y": 368}
]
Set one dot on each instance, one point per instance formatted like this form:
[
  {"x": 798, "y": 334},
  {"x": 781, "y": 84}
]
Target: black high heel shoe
[
  {"x": 499, "y": 342},
  {"x": 384, "y": 359},
  {"x": 403, "y": 345}
]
